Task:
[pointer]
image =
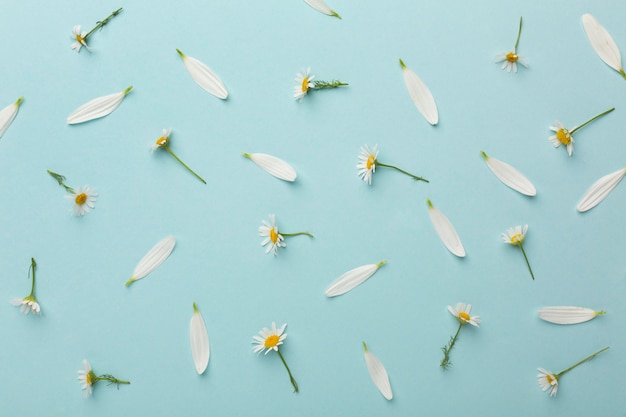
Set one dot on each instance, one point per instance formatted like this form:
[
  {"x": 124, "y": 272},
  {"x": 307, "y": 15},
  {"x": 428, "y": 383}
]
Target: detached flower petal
[
  {"x": 600, "y": 190},
  {"x": 322, "y": 7},
  {"x": 153, "y": 259},
  {"x": 204, "y": 76},
  {"x": 273, "y": 165},
  {"x": 199, "y": 338},
  {"x": 510, "y": 176},
  {"x": 421, "y": 95},
  {"x": 352, "y": 279},
  {"x": 602, "y": 42},
  {"x": 568, "y": 314},
  {"x": 378, "y": 373},
  {"x": 7, "y": 115},
  {"x": 446, "y": 231},
  {"x": 97, "y": 108}
]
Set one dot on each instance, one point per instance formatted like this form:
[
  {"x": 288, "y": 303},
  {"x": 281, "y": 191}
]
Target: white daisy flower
[
  {"x": 273, "y": 237},
  {"x": 269, "y": 340},
  {"x": 509, "y": 176},
  {"x": 151, "y": 261},
  {"x": 548, "y": 381},
  {"x": 368, "y": 160},
  {"x": 512, "y": 58},
  {"x": 7, "y": 115},
  {"x": 515, "y": 236},
  {"x": 568, "y": 314},
  {"x": 199, "y": 340},
  {"x": 87, "y": 378},
  {"x": 462, "y": 313},
  {"x": 322, "y": 7},
  {"x": 273, "y": 166},
  {"x": 600, "y": 190},
  {"x": 564, "y": 137},
  {"x": 79, "y": 38},
  {"x": 163, "y": 142},
  {"x": 602, "y": 42},
  {"x": 29, "y": 303},
  {"x": 421, "y": 95},
  {"x": 84, "y": 199},
  {"x": 97, "y": 108},
  {"x": 445, "y": 230},
  {"x": 204, "y": 76},
  {"x": 352, "y": 279},
  {"x": 378, "y": 373},
  {"x": 303, "y": 84}
]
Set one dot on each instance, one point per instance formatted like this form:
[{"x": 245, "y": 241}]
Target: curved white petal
[
  {"x": 602, "y": 42},
  {"x": 567, "y": 314},
  {"x": 97, "y": 108},
  {"x": 273, "y": 165},
  {"x": 352, "y": 279},
  {"x": 378, "y": 373},
  {"x": 153, "y": 259},
  {"x": 199, "y": 338},
  {"x": 8, "y": 114},
  {"x": 446, "y": 232},
  {"x": 510, "y": 176},
  {"x": 600, "y": 190},
  {"x": 421, "y": 95},
  {"x": 204, "y": 76},
  {"x": 322, "y": 7}
]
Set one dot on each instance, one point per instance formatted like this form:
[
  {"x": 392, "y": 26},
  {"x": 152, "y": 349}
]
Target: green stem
[
  {"x": 167, "y": 148},
  {"x": 588, "y": 358},
  {"x": 101, "y": 23},
  {"x": 415, "y": 177},
  {"x": 111, "y": 379},
  {"x": 297, "y": 234},
  {"x": 334, "y": 13},
  {"x": 60, "y": 179},
  {"x": 321, "y": 85},
  {"x": 527, "y": 263},
  {"x": 519, "y": 33},
  {"x": 621, "y": 71},
  {"x": 592, "y": 119},
  {"x": 33, "y": 264},
  {"x": 291, "y": 378},
  {"x": 445, "y": 363}
]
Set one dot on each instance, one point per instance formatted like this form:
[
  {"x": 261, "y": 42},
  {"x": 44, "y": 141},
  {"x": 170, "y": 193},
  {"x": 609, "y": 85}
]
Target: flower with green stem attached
[
  {"x": 80, "y": 37},
  {"x": 88, "y": 378},
  {"x": 269, "y": 340},
  {"x": 272, "y": 236},
  {"x": 83, "y": 197},
  {"x": 512, "y": 58},
  {"x": 368, "y": 160},
  {"x": 29, "y": 303},
  {"x": 550, "y": 381},
  {"x": 304, "y": 83},
  {"x": 164, "y": 143},
  {"x": 462, "y": 314},
  {"x": 515, "y": 236},
  {"x": 564, "y": 137}
]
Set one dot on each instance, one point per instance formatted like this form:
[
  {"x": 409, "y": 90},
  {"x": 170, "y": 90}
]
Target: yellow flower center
[
  {"x": 517, "y": 238},
  {"x": 80, "y": 39},
  {"x": 273, "y": 236},
  {"x": 81, "y": 199},
  {"x": 511, "y": 57},
  {"x": 162, "y": 141},
  {"x": 89, "y": 377},
  {"x": 564, "y": 137},
  {"x": 272, "y": 341},
  {"x": 551, "y": 380},
  {"x": 371, "y": 161},
  {"x": 464, "y": 316},
  {"x": 305, "y": 84}
]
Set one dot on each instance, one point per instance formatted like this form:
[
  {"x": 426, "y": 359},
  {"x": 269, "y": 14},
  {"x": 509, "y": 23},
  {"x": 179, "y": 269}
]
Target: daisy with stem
[
  {"x": 29, "y": 303},
  {"x": 515, "y": 236},
  {"x": 564, "y": 137},
  {"x": 164, "y": 143},
  {"x": 550, "y": 381},
  {"x": 304, "y": 83},
  {"x": 80, "y": 38},
  {"x": 83, "y": 197},
  {"x": 88, "y": 378},
  {"x": 462, "y": 314},
  {"x": 272, "y": 236},
  {"x": 269, "y": 340},
  {"x": 368, "y": 160},
  {"x": 512, "y": 58}
]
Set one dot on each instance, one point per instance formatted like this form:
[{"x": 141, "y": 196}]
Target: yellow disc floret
[
  {"x": 512, "y": 57},
  {"x": 81, "y": 199},
  {"x": 272, "y": 341},
  {"x": 464, "y": 316},
  {"x": 564, "y": 136},
  {"x": 273, "y": 235},
  {"x": 371, "y": 162},
  {"x": 305, "y": 84}
]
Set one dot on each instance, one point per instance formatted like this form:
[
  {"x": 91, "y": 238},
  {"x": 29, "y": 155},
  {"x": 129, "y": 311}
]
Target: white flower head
[
  {"x": 562, "y": 136},
  {"x": 270, "y": 232},
  {"x": 273, "y": 166},
  {"x": 602, "y": 42},
  {"x": 27, "y": 304},
  {"x": 269, "y": 339},
  {"x": 7, "y": 115},
  {"x": 509, "y": 176},
  {"x": 303, "y": 83},
  {"x": 87, "y": 378},
  {"x": 155, "y": 257},
  {"x": 204, "y": 76},
  {"x": 367, "y": 163},
  {"x": 462, "y": 314},
  {"x": 83, "y": 199},
  {"x": 352, "y": 279},
  {"x": 445, "y": 230},
  {"x": 420, "y": 95},
  {"x": 162, "y": 141},
  {"x": 322, "y": 7},
  {"x": 378, "y": 373},
  {"x": 512, "y": 58},
  {"x": 97, "y": 108},
  {"x": 199, "y": 339},
  {"x": 600, "y": 190},
  {"x": 548, "y": 381},
  {"x": 515, "y": 235},
  {"x": 79, "y": 38},
  {"x": 568, "y": 314}
]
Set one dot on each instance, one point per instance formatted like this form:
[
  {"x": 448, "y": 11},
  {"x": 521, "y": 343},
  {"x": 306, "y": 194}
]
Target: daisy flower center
[
  {"x": 272, "y": 341},
  {"x": 273, "y": 237},
  {"x": 517, "y": 238},
  {"x": 551, "y": 380},
  {"x": 81, "y": 199},
  {"x": 305, "y": 84},
  {"x": 80, "y": 39},
  {"x": 512, "y": 57},
  {"x": 371, "y": 161},
  {"x": 89, "y": 377},
  {"x": 563, "y": 136},
  {"x": 464, "y": 316},
  {"x": 162, "y": 141}
]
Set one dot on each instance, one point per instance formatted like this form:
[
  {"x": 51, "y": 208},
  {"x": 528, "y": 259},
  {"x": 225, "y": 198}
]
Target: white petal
[
  {"x": 567, "y": 314},
  {"x": 200, "y": 349},
  {"x": 322, "y": 7},
  {"x": 602, "y": 42},
  {"x": 421, "y": 95},
  {"x": 7, "y": 115},
  {"x": 352, "y": 279},
  {"x": 510, "y": 176},
  {"x": 96, "y": 108},
  {"x": 446, "y": 231},
  {"x": 600, "y": 190},
  {"x": 153, "y": 259},
  {"x": 204, "y": 77},
  {"x": 378, "y": 373},
  {"x": 274, "y": 166}
]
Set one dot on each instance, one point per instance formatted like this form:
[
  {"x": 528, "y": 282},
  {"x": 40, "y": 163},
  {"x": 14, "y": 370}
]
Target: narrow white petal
[
  {"x": 204, "y": 76},
  {"x": 567, "y": 314},
  {"x": 378, "y": 373},
  {"x": 446, "y": 232},
  {"x": 274, "y": 166},
  {"x": 199, "y": 338},
  {"x": 421, "y": 95},
  {"x": 510, "y": 176},
  {"x": 153, "y": 258},
  {"x": 602, "y": 42},
  {"x": 7, "y": 115},
  {"x": 600, "y": 190},
  {"x": 352, "y": 279},
  {"x": 321, "y": 7},
  {"x": 97, "y": 108}
]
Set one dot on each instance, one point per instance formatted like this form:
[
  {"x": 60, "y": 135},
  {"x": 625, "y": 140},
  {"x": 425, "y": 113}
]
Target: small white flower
[
  {"x": 510, "y": 60},
  {"x": 462, "y": 314},
  {"x": 204, "y": 76},
  {"x": 199, "y": 339},
  {"x": 87, "y": 378},
  {"x": 270, "y": 232},
  {"x": 446, "y": 232},
  {"x": 602, "y": 42},
  {"x": 322, "y": 7},
  {"x": 270, "y": 339},
  {"x": 83, "y": 199},
  {"x": 515, "y": 236},
  {"x": 273, "y": 165},
  {"x": 7, "y": 115},
  {"x": 155, "y": 257},
  {"x": 568, "y": 314},
  {"x": 562, "y": 136},
  {"x": 352, "y": 279},
  {"x": 548, "y": 381},
  {"x": 378, "y": 373},
  {"x": 27, "y": 304},
  {"x": 79, "y": 38},
  {"x": 163, "y": 141},
  {"x": 510, "y": 176},
  {"x": 600, "y": 190},
  {"x": 421, "y": 95},
  {"x": 303, "y": 84},
  {"x": 97, "y": 108},
  {"x": 367, "y": 163}
]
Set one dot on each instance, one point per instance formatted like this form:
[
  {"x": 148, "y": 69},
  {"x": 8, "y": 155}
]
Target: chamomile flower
[
  {"x": 29, "y": 303},
  {"x": 269, "y": 340},
  {"x": 563, "y": 136},
  {"x": 462, "y": 313},
  {"x": 80, "y": 37},
  {"x": 550, "y": 381},
  {"x": 87, "y": 378},
  {"x": 512, "y": 58},
  {"x": 273, "y": 238},
  {"x": 515, "y": 236},
  {"x": 163, "y": 142},
  {"x": 368, "y": 160},
  {"x": 304, "y": 83},
  {"x": 84, "y": 199}
]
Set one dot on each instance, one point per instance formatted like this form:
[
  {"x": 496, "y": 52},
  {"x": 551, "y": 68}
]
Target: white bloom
[
  {"x": 96, "y": 108},
  {"x": 602, "y": 42},
  {"x": 273, "y": 165},
  {"x": 446, "y": 231},
  {"x": 204, "y": 76},
  {"x": 270, "y": 339},
  {"x": 153, "y": 259},
  {"x": 462, "y": 314},
  {"x": 83, "y": 199},
  {"x": 27, "y": 304},
  {"x": 421, "y": 95},
  {"x": 303, "y": 84},
  {"x": 568, "y": 314},
  {"x": 163, "y": 141},
  {"x": 352, "y": 279},
  {"x": 270, "y": 232},
  {"x": 199, "y": 339},
  {"x": 367, "y": 163},
  {"x": 562, "y": 136},
  {"x": 510, "y": 60},
  {"x": 322, "y": 7},
  {"x": 515, "y": 236},
  {"x": 510, "y": 176},
  {"x": 378, "y": 373},
  {"x": 79, "y": 39},
  {"x": 600, "y": 190},
  {"x": 7, "y": 115},
  {"x": 87, "y": 378},
  {"x": 548, "y": 381}
]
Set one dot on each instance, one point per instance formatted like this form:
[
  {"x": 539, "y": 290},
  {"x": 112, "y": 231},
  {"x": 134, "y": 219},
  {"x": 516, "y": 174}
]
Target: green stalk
[
  {"x": 588, "y": 358},
  {"x": 297, "y": 234},
  {"x": 526, "y": 259},
  {"x": 291, "y": 378},
  {"x": 167, "y": 148},
  {"x": 415, "y": 177},
  {"x": 592, "y": 119},
  {"x": 101, "y": 23},
  {"x": 519, "y": 33},
  {"x": 445, "y": 362}
]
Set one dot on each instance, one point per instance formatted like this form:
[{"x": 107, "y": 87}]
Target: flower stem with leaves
[
  {"x": 100, "y": 24},
  {"x": 445, "y": 362}
]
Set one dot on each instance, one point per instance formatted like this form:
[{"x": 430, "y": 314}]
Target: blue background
[{"x": 141, "y": 333}]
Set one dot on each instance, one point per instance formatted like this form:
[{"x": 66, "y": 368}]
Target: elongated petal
[
  {"x": 274, "y": 166},
  {"x": 97, "y": 108},
  {"x": 153, "y": 259},
  {"x": 510, "y": 176},
  {"x": 322, "y": 7},
  {"x": 8, "y": 114},
  {"x": 602, "y": 42},
  {"x": 378, "y": 373},
  {"x": 352, "y": 279},
  {"x": 199, "y": 338},
  {"x": 421, "y": 95},
  {"x": 568, "y": 314},
  {"x": 446, "y": 231},
  {"x": 204, "y": 76},
  {"x": 600, "y": 190}
]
